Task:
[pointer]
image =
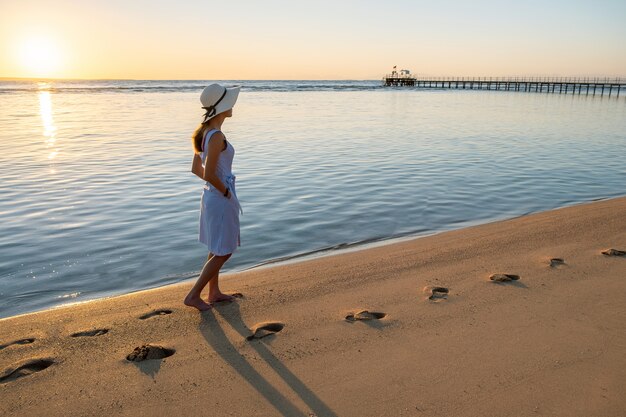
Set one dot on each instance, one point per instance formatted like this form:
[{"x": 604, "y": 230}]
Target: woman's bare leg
[
  {"x": 215, "y": 294},
  {"x": 210, "y": 270}
]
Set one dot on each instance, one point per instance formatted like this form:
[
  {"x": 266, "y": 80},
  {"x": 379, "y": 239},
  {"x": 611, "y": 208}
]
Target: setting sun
[{"x": 40, "y": 57}]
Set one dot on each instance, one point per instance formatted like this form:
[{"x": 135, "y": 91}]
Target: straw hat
[{"x": 217, "y": 99}]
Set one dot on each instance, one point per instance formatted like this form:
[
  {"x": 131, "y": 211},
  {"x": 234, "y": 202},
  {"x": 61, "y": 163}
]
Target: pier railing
[{"x": 584, "y": 80}]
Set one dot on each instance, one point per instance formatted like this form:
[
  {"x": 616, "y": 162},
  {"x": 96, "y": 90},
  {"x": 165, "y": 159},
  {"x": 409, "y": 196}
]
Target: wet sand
[{"x": 523, "y": 317}]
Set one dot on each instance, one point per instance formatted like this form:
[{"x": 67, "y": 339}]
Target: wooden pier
[{"x": 584, "y": 86}]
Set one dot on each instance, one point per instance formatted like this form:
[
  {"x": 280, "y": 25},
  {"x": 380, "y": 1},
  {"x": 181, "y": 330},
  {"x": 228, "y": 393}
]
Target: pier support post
[{"x": 531, "y": 84}]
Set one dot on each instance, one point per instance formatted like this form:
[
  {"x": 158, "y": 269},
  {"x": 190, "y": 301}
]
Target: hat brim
[{"x": 229, "y": 100}]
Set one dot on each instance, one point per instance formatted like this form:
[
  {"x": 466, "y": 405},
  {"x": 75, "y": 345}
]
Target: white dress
[{"x": 219, "y": 215}]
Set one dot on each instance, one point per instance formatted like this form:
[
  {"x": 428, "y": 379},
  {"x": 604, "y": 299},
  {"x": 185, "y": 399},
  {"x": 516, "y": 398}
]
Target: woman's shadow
[{"x": 216, "y": 338}]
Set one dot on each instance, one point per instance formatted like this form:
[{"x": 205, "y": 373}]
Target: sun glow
[{"x": 40, "y": 57}]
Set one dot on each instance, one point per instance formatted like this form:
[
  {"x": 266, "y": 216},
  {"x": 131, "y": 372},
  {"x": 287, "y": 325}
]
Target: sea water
[{"x": 97, "y": 198}]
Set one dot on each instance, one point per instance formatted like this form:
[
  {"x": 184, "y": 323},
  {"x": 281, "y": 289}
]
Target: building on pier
[{"x": 402, "y": 78}]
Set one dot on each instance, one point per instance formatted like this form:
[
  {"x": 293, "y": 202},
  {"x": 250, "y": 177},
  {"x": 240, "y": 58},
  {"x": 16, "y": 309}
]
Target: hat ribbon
[{"x": 210, "y": 111}]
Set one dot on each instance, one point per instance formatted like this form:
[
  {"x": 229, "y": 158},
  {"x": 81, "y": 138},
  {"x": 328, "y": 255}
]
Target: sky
[{"x": 338, "y": 39}]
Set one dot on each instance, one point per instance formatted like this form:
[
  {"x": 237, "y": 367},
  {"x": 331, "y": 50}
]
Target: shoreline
[
  {"x": 393, "y": 239},
  {"x": 333, "y": 250},
  {"x": 550, "y": 343}
]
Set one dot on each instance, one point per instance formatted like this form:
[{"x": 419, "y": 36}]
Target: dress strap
[{"x": 207, "y": 137}]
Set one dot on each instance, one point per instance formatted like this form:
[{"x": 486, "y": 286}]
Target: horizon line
[{"x": 44, "y": 79}]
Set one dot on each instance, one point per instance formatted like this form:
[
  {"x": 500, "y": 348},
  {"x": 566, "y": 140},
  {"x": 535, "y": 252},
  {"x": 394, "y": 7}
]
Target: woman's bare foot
[
  {"x": 198, "y": 303},
  {"x": 214, "y": 298}
]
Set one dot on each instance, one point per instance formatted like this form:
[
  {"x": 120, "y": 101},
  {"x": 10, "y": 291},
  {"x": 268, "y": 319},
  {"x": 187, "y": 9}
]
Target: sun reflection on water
[{"x": 49, "y": 129}]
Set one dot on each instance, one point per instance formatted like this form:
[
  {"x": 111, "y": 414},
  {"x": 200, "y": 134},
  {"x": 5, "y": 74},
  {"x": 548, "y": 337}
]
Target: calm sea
[{"x": 96, "y": 197}]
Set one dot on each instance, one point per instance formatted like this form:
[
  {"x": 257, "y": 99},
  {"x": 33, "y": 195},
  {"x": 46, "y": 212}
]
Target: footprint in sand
[
  {"x": 26, "y": 368},
  {"x": 556, "y": 262},
  {"x": 149, "y": 352},
  {"x": 504, "y": 277},
  {"x": 18, "y": 342},
  {"x": 614, "y": 252},
  {"x": 160, "y": 312},
  {"x": 262, "y": 330},
  {"x": 90, "y": 333},
  {"x": 436, "y": 293},
  {"x": 365, "y": 315}
]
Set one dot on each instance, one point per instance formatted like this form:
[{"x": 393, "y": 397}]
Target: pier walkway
[{"x": 556, "y": 85}]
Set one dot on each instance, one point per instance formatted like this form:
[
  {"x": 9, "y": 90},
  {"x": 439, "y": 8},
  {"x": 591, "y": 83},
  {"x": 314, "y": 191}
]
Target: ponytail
[{"x": 196, "y": 138}]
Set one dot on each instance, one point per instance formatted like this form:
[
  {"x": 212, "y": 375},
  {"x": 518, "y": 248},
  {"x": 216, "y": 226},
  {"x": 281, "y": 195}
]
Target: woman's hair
[{"x": 196, "y": 138}]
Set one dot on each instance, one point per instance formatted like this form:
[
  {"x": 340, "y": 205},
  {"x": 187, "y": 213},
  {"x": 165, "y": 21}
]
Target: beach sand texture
[{"x": 425, "y": 327}]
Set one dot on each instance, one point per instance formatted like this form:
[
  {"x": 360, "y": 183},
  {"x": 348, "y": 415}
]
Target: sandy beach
[{"x": 551, "y": 341}]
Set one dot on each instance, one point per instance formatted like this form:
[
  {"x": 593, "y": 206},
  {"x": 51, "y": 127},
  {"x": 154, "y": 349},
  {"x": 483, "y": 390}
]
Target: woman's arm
[{"x": 216, "y": 143}]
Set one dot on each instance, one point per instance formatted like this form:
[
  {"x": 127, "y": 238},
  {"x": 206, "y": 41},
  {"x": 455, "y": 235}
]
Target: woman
[{"x": 219, "y": 209}]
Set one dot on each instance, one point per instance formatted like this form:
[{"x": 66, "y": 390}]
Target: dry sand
[{"x": 552, "y": 343}]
